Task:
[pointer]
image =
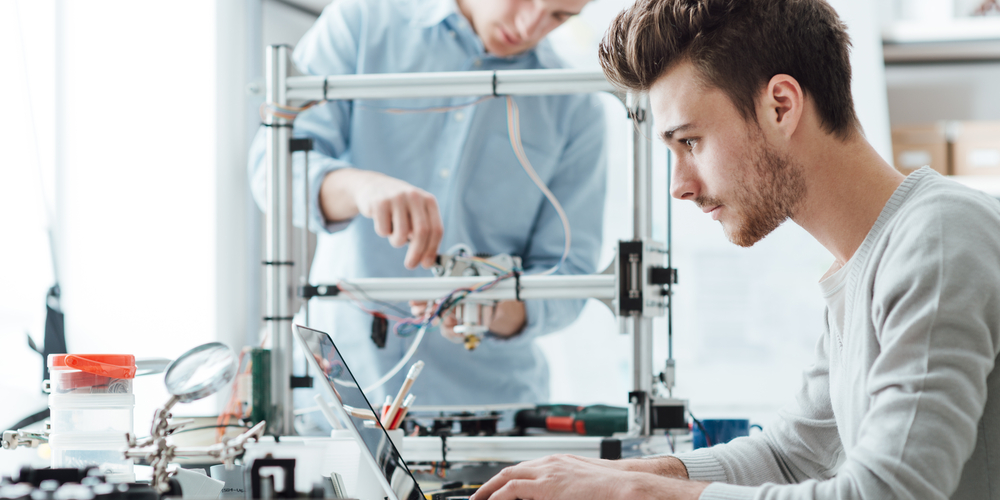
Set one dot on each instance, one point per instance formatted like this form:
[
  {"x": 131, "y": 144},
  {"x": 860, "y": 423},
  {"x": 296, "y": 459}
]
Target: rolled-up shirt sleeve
[{"x": 330, "y": 47}]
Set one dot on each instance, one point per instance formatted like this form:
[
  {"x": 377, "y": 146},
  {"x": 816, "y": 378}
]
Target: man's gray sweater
[{"x": 902, "y": 400}]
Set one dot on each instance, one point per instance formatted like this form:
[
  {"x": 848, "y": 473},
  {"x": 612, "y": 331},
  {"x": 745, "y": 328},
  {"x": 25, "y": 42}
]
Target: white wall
[
  {"x": 26, "y": 161},
  {"x": 868, "y": 71},
  {"x": 136, "y": 175},
  {"x": 140, "y": 116}
]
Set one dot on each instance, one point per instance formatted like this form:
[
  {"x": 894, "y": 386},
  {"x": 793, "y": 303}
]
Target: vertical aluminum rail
[
  {"x": 278, "y": 262},
  {"x": 641, "y": 327}
]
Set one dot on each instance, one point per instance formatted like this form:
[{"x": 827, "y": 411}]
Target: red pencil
[{"x": 396, "y": 422}]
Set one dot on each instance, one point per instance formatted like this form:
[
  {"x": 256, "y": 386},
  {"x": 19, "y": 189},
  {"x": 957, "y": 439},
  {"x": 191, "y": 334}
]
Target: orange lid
[{"x": 107, "y": 365}]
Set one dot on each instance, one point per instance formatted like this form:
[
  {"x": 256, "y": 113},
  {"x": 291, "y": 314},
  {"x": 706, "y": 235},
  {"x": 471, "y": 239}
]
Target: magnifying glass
[{"x": 200, "y": 372}]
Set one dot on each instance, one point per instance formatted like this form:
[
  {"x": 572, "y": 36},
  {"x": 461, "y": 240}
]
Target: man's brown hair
[{"x": 737, "y": 46}]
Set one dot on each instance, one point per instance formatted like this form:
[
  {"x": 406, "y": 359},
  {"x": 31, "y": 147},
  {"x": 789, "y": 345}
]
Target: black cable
[
  {"x": 202, "y": 428},
  {"x": 382, "y": 302},
  {"x": 444, "y": 451},
  {"x": 209, "y": 427},
  {"x": 34, "y": 418},
  {"x": 708, "y": 442}
]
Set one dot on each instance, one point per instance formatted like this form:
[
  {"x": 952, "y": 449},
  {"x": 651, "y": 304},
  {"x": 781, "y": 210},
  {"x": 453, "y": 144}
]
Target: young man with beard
[
  {"x": 396, "y": 181},
  {"x": 753, "y": 98}
]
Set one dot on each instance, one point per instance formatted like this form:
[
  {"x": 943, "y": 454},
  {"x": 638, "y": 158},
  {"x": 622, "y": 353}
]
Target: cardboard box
[
  {"x": 976, "y": 148},
  {"x": 914, "y": 146}
]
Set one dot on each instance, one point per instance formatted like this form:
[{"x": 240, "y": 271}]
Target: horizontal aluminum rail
[
  {"x": 451, "y": 84},
  {"x": 596, "y": 286}
]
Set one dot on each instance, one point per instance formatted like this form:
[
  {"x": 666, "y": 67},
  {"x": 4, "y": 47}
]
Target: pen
[{"x": 410, "y": 377}]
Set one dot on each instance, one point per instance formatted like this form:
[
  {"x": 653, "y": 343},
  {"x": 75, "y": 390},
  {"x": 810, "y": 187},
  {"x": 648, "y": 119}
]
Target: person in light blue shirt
[{"x": 425, "y": 181}]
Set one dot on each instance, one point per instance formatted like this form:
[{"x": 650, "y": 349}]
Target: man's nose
[
  {"x": 683, "y": 180},
  {"x": 530, "y": 22}
]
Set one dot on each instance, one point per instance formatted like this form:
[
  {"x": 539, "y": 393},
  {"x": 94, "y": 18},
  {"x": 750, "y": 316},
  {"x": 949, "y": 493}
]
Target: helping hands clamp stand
[{"x": 198, "y": 373}]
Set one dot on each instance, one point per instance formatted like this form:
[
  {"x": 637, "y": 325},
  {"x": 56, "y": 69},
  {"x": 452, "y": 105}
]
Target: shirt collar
[{"x": 434, "y": 12}]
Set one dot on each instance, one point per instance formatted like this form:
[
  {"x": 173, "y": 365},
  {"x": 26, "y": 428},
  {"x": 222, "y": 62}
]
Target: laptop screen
[{"x": 342, "y": 389}]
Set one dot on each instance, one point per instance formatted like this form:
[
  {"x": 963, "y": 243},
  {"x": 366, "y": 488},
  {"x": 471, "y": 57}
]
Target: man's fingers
[
  {"x": 500, "y": 481},
  {"x": 382, "y": 217},
  {"x": 515, "y": 489},
  {"x": 420, "y": 232},
  {"x": 400, "y": 225},
  {"x": 435, "y": 229}
]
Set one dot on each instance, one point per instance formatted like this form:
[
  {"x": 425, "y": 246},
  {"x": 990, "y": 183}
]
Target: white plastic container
[
  {"x": 90, "y": 413},
  {"x": 91, "y": 405},
  {"x": 103, "y": 450}
]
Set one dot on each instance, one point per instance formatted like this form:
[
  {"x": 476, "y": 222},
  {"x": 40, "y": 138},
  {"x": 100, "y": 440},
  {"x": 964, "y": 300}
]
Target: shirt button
[
  {"x": 452, "y": 33},
  {"x": 459, "y": 116},
  {"x": 444, "y": 173},
  {"x": 477, "y": 62}
]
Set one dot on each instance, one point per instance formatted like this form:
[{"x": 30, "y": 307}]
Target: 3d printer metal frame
[{"x": 640, "y": 286}]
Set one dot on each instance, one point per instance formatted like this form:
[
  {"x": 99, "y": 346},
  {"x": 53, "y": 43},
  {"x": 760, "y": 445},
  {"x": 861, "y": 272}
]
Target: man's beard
[{"x": 767, "y": 193}]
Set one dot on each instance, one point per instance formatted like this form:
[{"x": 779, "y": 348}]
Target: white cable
[
  {"x": 399, "y": 366},
  {"x": 327, "y": 412},
  {"x": 514, "y": 131}
]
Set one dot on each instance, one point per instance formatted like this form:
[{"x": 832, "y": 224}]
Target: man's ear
[{"x": 783, "y": 103}]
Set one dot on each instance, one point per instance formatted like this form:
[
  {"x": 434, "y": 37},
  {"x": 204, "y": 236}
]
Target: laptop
[{"x": 342, "y": 389}]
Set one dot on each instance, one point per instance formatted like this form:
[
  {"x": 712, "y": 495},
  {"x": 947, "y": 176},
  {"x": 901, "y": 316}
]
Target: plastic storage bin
[
  {"x": 104, "y": 450},
  {"x": 91, "y": 405},
  {"x": 91, "y": 373},
  {"x": 89, "y": 413}
]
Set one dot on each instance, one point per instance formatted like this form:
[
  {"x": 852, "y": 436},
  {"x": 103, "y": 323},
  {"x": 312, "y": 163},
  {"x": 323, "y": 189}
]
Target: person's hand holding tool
[
  {"x": 505, "y": 320},
  {"x": 401, "y": 212}
]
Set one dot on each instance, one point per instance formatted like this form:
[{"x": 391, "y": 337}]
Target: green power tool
[{"x": 593, "y": 420}]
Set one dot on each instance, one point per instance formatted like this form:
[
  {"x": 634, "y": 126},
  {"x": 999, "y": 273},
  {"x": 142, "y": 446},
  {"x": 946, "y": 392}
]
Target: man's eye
[{"x": 690, "y": 143}]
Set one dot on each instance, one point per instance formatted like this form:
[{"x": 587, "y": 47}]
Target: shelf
[
  {"x": 953, "y": 30},
  {"x": 962, "y": 39},
  {"x": 930, "y": 52}
]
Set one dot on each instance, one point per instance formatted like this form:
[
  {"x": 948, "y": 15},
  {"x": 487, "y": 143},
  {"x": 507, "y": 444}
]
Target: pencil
[
  {"x": 398, "y": 421},
  {"x": 359, "y": 413},
  {"x": 407, "y": 384},
  {"x": 385, "y": 407}
]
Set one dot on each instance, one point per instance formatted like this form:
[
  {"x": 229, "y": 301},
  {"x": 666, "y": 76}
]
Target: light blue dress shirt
[{"x": 464, "y": 158}]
